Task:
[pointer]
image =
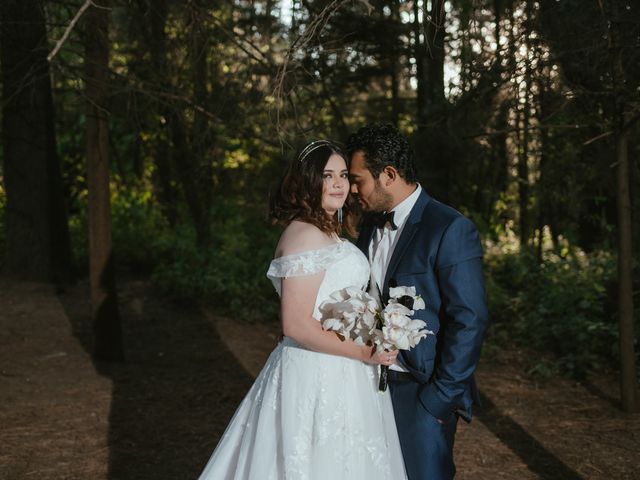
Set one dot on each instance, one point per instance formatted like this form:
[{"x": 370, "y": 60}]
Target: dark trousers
[{"x": 427, "y": 445}]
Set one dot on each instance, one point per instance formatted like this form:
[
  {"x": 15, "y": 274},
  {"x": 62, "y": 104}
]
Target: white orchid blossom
[
  {"x": 397, "y": 292},
  {"x": 354, "y": 314},
  {"x": 418, "y": 303},
  {"x": 351, "y": 313}
]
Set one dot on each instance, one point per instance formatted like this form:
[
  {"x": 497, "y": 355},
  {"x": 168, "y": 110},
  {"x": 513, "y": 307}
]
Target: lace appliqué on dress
[
  {"x": 311, "y": 262},
  {"x": 306, "y": 263}
]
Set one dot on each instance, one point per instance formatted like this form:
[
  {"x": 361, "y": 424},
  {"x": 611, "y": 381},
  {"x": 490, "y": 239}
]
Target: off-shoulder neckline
[{"x": 341, "y": 241}]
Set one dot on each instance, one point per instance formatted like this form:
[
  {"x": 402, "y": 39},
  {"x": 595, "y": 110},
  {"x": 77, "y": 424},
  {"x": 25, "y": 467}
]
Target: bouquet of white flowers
[{"x": 353, "y": 313}]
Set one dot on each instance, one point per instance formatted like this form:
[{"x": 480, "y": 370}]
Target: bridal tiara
[{"x": 314, "y": 146}]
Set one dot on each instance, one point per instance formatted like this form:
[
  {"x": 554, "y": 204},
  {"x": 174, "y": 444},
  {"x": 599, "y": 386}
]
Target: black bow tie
[{"x": 381, "y": 219}]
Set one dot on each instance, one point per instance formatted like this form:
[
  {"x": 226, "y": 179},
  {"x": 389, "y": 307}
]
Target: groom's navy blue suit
[{"x": 439, "y": 253}]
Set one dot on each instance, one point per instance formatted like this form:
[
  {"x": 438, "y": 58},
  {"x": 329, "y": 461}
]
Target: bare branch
[
  {"x": 313, "y": 30},
  {"x": 541, "y": 126},
  {"x": 597, "y": 137},
  {"x": 69, "y": 28}
]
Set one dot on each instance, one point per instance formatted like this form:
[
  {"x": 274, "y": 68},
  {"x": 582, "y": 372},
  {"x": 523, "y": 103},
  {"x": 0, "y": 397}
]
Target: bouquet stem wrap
[{"x": 384, "y": 378}]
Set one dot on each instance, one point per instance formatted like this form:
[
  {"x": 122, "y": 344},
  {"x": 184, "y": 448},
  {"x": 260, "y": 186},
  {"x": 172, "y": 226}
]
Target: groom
[{"x": 413, "y": 240}]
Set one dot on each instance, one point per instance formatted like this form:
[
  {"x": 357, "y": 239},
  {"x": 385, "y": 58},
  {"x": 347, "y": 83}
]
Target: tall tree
[
  {"x": 158, "y": 14},
  {"x": 394, "y": 68},
  {"x": 524, "y": 105},
  {"x": 147, "y": 30},
  {"x": 433, "y": 141},
  {"x": 606, "y": 74},
  {"x": 38, "y": 245},
  {"x": 430, "y": 53},
  {"x": 499, "y": 151},
  {"x": 107, "y": 328},
  {"x": 623, "y": 117},
  {"x": 199, "y": 174}
]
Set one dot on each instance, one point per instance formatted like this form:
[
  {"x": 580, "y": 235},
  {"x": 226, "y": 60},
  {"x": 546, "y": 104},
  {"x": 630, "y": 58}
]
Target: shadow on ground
[
  {"x": 174, "y": 395},
  {"x": 533, "y": 454}
]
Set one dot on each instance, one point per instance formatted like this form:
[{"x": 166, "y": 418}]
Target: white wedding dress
[{"x": 310, "y": 415}]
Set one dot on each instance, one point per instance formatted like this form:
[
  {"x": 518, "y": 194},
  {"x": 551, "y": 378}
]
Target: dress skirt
[{"x": 310, "y": 416}]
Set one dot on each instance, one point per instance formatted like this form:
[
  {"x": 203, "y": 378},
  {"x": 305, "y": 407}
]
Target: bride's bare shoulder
[{"x": 301, "y": 237}]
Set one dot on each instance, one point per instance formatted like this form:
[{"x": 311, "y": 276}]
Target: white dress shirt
[{"x": 383, "y": 244}]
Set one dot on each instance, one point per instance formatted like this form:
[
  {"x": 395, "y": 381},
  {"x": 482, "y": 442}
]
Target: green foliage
[
  {"x": 564, "y": 305},
  {"x": 232, "y": 273},
  {"x": 78, "y": 230},
  {"x": 138, "y": 227}
]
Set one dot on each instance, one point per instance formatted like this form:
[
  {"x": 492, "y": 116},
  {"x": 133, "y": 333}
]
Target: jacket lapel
[{"x": 409, "y": 230}]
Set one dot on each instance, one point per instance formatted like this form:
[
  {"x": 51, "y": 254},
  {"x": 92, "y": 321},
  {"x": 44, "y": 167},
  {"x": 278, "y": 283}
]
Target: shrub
[
  {"x": 564, "y": 304},
  {"x": 138, "y": 228},
  {"x": 232, "y": 274},
  {"x": 136, "y": 225}
]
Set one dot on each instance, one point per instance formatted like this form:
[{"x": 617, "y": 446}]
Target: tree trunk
[
  {"x": 628, "y": 383},
  {"x": 498, "y": 170},
  {"x": 523, "y": 157},
  {"x": 394, "y": 69},
  {"x": 433, "y": 142},
  {"x": 202, "y": 137},
  {"x": 429, "y": 53},
  {"x": 523, "y": 172},
  {"x": 544, "y": 205},
  {"x": 107, "y": 329},
  {"x": 167, "y": 195},
  {"x": 628, "y": 377},
  {"x": 419, "y": 52},
  {"x": 38, "y": 245}
]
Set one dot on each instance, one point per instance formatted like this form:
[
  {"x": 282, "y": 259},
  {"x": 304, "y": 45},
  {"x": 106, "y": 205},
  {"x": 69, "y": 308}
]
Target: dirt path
[
  {"x": 54, "y": 408},
  {"x": 159, "y": 415}
]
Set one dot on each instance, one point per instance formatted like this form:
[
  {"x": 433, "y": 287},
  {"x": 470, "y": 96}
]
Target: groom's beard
[{"x": 379, "y": 201}]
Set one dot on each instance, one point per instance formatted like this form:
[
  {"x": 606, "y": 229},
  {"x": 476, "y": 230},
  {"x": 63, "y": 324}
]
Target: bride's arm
[{"x": 296, "y": 308}]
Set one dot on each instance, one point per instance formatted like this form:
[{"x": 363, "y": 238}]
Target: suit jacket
[{"x": 439, "y": 252}]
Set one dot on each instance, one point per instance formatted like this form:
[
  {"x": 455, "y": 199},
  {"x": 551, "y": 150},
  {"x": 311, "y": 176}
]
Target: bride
[{"x": 314, "y": 411}]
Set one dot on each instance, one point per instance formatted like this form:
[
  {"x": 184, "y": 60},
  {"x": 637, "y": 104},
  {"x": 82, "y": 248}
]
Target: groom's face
[{"x": 369, "y": 191}]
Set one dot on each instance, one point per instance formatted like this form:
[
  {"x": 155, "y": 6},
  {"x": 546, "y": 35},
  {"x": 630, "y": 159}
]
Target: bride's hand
[{"x": 382, "y": 358}]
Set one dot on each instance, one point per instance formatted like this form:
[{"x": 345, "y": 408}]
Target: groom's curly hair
[
  {"x": 383, "y": 145},
  {"x": 299, "y": 194}
]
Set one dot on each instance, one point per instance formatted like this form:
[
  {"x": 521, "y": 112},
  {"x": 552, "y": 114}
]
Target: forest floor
[{"x": 160, "y": 414}]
